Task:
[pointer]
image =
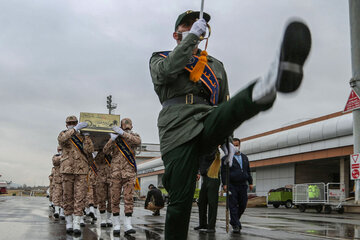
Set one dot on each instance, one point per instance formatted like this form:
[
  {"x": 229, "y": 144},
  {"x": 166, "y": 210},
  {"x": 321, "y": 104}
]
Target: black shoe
[
  {"x": 82, "y": 224},
  {"x": 200, "y": 227},
  {"x": 69, "y": 230},
  {"x": 109, "y": 224},
  {"x": 236, "y": 229},
  {"x": 103, "y": 225},
  {"x": 56, "y": 215},
  {"x": 116, "y": 232},
  {"x": 209, "y": 230},
  {"x": 62, "y": 218},
  {"x": 294, "y": 50},
  {"x": 157, "y": 213},
  {"x": 131, "y": 231},
  {"x": 77, "y": 232}
]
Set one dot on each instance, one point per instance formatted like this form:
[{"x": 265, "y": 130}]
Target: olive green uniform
[{"x": 187, "y": 131}]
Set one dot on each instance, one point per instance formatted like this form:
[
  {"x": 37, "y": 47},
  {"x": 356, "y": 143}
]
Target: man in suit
[{"x": 239, "y": 177}]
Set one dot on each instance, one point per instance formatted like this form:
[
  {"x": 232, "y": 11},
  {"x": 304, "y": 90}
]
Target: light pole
[{"x": 354, "y": 14}]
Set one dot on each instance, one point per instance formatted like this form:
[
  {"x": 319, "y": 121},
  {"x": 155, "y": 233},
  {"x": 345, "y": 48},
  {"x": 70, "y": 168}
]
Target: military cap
[
  {"x": 190, "y": 14},
  {"x": 126, "y": 123},
  {"x": 71, "y": 119}
]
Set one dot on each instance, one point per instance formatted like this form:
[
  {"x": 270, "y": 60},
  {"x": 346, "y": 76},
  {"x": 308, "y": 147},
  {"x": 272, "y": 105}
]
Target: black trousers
[
  {"x": 182, "y": 163},
  {"x": 237, "y": 203},
  {"x": 209, "y": 196}
]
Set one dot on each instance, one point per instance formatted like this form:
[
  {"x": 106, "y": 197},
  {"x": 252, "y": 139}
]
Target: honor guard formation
[{"x": 197, "y": 120}]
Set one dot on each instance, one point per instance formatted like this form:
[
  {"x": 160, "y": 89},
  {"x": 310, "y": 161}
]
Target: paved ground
[{"x": 30, "y": 218}]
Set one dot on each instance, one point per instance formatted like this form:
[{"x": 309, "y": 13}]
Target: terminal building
[{"x": 316, "y": 150}]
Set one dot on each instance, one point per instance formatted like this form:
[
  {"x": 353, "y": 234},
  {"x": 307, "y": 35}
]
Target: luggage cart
[{"x": 319, "y": 196}]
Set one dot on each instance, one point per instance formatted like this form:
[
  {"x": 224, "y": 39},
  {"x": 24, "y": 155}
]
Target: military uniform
[
  {"x": 123, "y": 176},
  {"x": 74, "y": 168},
  {"x": 122, "y": 173},
  {"x": 188, "y": 131},
  {"x": 103, "y": 187},
  {"x": 57, "y": 183}
]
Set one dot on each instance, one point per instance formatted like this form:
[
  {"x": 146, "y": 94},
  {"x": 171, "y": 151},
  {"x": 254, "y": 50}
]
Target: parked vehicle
[
  {"x": 280, "y": 196},
  {"x": 319, "y": 196}
]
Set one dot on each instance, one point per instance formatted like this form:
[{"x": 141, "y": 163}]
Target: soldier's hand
[
  {"x": 199, "y": 27},
  {"x": 81, "y": 125},
  {"x": 118, "y": 130},
  {"x": 113, "y": 136}
]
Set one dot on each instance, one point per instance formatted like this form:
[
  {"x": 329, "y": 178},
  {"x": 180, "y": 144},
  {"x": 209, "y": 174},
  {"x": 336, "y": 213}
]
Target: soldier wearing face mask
[
  {"x": 121, "y": 146},
  {"x": 239, "y": 168},
  {"x": 74, "y": 167}
]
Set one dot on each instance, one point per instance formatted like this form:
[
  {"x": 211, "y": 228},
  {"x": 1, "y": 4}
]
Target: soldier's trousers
[
  {"x": 91, "y": 196},
  {"x": 181, "y": 164},
  {"x": 74, "y": 193},
  {"x": 209, "y": 196},
  {"x": 57, "y": 194},
  {"x": 103, "y": 196},
  {"x": 127, "y": 185},
  {"x": 51, "y": 191}
]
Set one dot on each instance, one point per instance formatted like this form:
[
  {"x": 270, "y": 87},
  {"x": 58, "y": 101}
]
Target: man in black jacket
[
  {"x": 154, "y": 200},
  {"x": 238, "y": 180}
]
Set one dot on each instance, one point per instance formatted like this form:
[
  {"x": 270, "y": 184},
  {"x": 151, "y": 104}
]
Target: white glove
[
  {"x": 86, "y": 134},
  {"x": 199, "y": 27},
  {"x": 118, "y": 130},
  {"x": 113, "y": 136},
  {"x": 229, "y": 152},
  {"x": 81, "y": 125}
]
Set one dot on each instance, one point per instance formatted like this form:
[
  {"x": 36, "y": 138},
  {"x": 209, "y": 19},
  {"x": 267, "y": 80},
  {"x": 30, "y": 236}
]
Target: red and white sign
[
  {"x": 353, "y": 102},
  {"x": 355, "y": 166}
]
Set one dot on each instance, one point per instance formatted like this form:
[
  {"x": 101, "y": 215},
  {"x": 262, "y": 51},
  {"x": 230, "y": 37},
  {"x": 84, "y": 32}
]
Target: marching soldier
[
  {"x": 189, "y": 124},
  {"x": 121, "y": 147},
  {"x": 57, "y": 185},
  {"x": 74, "y": 169},
  {"x": 103, "y": 163}
]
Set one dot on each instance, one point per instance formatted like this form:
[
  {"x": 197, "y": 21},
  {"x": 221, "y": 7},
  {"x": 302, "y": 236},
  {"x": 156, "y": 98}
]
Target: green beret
[{"x": 189, "y": 14}]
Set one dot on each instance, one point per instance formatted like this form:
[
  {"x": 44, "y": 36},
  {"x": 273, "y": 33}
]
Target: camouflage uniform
[
  {"x": 122, "y": 173},
  {"x": 103, "y": 183},
  {"x": 57, "y": 181},
  {"x": 74, "y": 169},
  {"x": 91, "y": 197}
]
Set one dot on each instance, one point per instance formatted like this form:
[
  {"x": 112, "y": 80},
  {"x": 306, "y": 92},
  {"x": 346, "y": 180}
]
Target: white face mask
[
  {"x": 184, "y": 34},
  {"x": 70, "y": 127}
]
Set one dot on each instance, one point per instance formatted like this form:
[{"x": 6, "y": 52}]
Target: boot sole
[{"x": 295, "y": 49}]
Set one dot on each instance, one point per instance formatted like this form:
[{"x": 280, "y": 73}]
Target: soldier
[
  {"x": 57, "y": 183},
  {"x": 121, "y": 147},
  {"x": 189, "y": 125},
  {"x": 74, "y": 169},
  {"x": 103, "y": 164}
]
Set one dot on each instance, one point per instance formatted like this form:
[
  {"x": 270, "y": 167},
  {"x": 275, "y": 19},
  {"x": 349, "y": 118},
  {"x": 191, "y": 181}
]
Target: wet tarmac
[{"x": 30, "y": 218}]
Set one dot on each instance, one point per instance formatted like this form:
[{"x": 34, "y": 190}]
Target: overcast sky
[{"x": 63, "y": 57}]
